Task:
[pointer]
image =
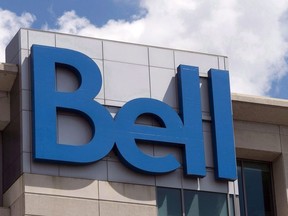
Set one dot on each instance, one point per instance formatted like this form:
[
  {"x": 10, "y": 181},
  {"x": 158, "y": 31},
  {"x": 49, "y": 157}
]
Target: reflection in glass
[
  {"x": 169, "y": 202},
  {"x": 255, "y": 189},
  {"x": 231, "y": 205},
  {"x": 198, "y": 203}
]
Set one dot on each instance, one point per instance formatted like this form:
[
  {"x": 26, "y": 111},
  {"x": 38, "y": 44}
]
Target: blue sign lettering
[{"x": 183, "y": 129}]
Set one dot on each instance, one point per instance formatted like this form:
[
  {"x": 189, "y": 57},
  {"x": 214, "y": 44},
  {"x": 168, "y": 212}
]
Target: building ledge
[
  {"x": 260, "y": 109},
  {"x": 8, "y": 74},
  {"x": 4, "y": 211}
]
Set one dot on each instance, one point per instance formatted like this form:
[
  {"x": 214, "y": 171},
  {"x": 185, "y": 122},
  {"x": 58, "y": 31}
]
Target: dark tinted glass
[
  {"x": 169, "y": 202},
  {"x": 241, "y": 190},
  {"x": 255, "y": 189},
  {"x": 231, "y": 206},
  {"x": 205, "y": 203}
]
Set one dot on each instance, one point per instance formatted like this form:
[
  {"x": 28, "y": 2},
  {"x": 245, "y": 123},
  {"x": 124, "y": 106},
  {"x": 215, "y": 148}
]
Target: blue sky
[
  {"x": 97, "y": 11},
  {"x": 253, "y": 34}
]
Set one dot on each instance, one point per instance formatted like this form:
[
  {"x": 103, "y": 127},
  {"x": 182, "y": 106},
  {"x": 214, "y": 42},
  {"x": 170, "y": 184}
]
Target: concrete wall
[
  {"x": 4, "y": 211},
  {"x": 257, "y": 141},
  {"x": 12, "y": 136},
  {"x": 50, "y": 195},
  {"x": 266, "y": 142}
]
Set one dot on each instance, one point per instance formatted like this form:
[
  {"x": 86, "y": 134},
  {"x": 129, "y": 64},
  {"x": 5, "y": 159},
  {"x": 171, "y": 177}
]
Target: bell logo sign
[{"x": 183, "y": 129}]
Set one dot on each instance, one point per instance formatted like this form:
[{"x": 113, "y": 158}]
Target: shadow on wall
[
  {"x": 171, "y": 95},
  {"x": 130, "y": 191},
  {"x": 90, "y": 189}
]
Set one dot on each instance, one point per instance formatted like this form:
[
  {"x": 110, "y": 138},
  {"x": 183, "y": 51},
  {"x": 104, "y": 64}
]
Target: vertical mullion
[
  {"x": 182, "y": 202},
  {"x": 274, "y": 209},
  {"x": 228, "y": 203},
  {"x": 244, "y": 190}
]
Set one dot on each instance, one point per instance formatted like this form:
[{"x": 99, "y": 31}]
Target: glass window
[
  {"x": 169, "y": 202},
  {"x": 194, "y": 203},
  {"x": 255, "y": 189},
  {"x": 199, "y": 203}
]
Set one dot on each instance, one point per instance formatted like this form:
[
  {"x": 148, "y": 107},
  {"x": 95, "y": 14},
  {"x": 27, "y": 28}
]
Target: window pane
[
  {"x": 258, "y": 189},
  {"x": 231, "y": 205},
  {"x": 199, "y": 203},
  {"x": 241, "y": 191},
  {"x": 169, "y": 202}
]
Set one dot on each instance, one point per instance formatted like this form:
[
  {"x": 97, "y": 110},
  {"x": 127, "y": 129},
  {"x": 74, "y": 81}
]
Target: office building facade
[{"x": 98, "y": 127}]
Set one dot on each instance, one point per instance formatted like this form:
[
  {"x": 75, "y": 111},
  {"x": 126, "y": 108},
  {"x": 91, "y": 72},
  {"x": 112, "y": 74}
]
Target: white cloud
[
  {"x": 250, "y": 33},
  {"x": 253, "y": 34},
  {"x": 9, "y": 25}
]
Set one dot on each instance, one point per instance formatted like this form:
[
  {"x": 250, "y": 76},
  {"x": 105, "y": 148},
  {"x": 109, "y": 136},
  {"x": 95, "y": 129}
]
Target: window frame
[
  {"x": 241, "y": 161},
  {"x": 228, "y": 196}
]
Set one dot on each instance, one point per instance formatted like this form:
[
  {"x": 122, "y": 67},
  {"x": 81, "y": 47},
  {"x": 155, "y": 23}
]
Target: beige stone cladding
[{"x": 49, "y": 195}]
